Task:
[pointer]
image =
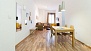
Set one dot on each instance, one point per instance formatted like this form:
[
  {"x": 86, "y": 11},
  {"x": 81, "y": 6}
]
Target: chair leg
[
  {"x": 64, "y": 38},
  {"x": 51, "y": 35}
]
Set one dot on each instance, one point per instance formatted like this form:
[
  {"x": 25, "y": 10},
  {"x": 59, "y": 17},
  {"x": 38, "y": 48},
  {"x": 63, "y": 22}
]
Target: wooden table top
[{"x": 61, "y": 28}]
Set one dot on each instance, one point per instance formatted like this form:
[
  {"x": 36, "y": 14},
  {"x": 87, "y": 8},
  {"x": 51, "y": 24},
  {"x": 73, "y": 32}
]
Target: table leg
[
  {"x": 56, "y": 40},
  {"x": 73, "y": 39}
]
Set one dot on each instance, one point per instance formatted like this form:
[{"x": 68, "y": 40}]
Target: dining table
[{"x": 58, "y": 29}]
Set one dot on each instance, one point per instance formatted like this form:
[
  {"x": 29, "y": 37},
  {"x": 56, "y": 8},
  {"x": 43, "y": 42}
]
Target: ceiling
[{"x": 47, "y": 4}]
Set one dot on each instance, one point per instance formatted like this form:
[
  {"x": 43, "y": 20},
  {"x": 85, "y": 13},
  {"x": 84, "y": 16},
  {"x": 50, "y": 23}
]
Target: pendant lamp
[
  {"x": 63, "y": 6},
  {"x": 60, "y": 8}
]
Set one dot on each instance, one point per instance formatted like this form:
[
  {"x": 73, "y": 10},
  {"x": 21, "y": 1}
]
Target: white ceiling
[{"x": 47, "y": 4}]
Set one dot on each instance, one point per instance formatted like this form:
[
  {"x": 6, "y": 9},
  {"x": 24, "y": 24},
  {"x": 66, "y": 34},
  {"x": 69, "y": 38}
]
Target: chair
[
  {"x": 39, "y": 26},
  {"x": 52, "y": 32},
  {"x": 47, "y": 26},
  {"x": 65, "y": 25},
  {"x": 58, "y": 24},
  {"x": 67, "y": 33},
  {"x": 72, "y": 28}
]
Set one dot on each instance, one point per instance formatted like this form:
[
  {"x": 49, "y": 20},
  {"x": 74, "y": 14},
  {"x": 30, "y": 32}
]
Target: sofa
[{"x": 47, "y": 26}]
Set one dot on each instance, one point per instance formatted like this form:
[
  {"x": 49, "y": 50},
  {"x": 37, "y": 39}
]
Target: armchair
[{"x": 39, "y": 26}]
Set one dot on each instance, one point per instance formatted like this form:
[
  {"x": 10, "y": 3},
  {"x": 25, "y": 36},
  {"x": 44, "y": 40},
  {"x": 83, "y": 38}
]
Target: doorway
[{"x": 51, "y": 18}]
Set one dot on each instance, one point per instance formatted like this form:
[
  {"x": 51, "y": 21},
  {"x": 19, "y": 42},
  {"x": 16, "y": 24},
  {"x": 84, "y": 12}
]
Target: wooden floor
[{"x": 42, "y": 41}]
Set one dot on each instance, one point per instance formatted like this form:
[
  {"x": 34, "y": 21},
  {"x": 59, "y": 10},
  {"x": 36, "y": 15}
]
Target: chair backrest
[
  {"x": 71, "y": 26},
  {"x": 65, "y": 25},
  {"x": 53, "y": 24}
]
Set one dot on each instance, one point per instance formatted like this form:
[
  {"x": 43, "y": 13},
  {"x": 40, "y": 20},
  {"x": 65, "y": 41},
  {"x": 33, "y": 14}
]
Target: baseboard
[
  {"x": 21, "y": 41},
  {"x": 83, "y": 43}
]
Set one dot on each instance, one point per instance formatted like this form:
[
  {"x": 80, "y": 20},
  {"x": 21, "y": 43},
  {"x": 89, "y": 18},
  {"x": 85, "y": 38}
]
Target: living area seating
[
  {"x": 47, "y": 26},
  {"x": 39, "y": 26}
]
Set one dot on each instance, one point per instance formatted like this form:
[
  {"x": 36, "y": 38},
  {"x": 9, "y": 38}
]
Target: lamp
[
  {"x": 63, "y": 6},
  {"x": 60, "y": 8}
]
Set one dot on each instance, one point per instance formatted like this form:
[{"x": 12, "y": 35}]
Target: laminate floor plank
[{"x": 42, "y": 41}]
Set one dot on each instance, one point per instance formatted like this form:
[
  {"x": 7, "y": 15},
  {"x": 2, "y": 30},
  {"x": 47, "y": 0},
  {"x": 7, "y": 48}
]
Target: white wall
[
  {"x": 7, "y": 25},
  {"x": 9, "y": 37},
  {"x": 18, "y": 13},
  {"x": 43, "y": 15},
  {"x": 78, "y": 13},
  {"x": 30, "y": 7},
  {"x": 36, "y": 13},
  {"x": 59, "y": 15}
]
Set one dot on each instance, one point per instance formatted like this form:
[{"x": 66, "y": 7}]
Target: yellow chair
[{"x": 53, "y": 24}]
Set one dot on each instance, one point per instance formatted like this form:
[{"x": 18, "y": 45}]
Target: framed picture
[
  {"x": 29, "y": 18},
  {"x": 25, "y": 22},
  {"x": 31, "y": 21},
  {"x": 57, "y": 18},
  {"x": 26, "y": 14},
  {"x": 30, "y": 13}
]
